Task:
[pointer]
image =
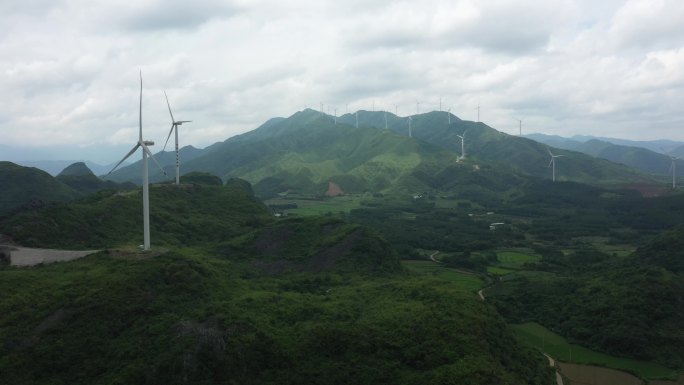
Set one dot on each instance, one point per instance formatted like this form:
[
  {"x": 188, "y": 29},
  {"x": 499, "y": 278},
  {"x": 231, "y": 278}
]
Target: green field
[
  {"x": 308, "y": 207},
  {"x": 557, "y": 347},
  {"x": 499, "y": 270},
  {"x": 516, "y": 258},
  {"x": 468, "y": 281}
]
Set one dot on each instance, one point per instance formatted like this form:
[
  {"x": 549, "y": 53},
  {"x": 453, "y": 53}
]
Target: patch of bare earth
[{"x": 333, "y": 190}]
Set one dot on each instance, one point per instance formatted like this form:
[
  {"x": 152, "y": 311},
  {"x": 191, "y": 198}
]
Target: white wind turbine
[
  {"x": 357, "y": 119},
  {"x": 174, "y": 127},
  {"x": 552, "y": 163},
  {"x": 146, "y": 186},
  {"x": 520, "y": 127},
  {"x": 385, "y": 120},
  {"x": 673, "y": 167},
  {"x": 463, "y": 154},
  {"x": 449, "y": 115},
  {"x": 409, "y": 120}
]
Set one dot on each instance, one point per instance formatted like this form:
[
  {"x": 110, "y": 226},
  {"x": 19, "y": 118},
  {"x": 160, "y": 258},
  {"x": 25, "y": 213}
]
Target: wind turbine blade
[
  {"x": 169, "y": 105},
  {"x": 140, "y": 112},
  {"x": 124, "y": 158},
  {"x": 549, "y": 150},
  {"x": 167, "y": 138},
  {"x": 550, "y": 162},
  {"x": 149, "y": 153}
]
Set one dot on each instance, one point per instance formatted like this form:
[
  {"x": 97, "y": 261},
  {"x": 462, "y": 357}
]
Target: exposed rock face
[{"x": 333, "y": 190}]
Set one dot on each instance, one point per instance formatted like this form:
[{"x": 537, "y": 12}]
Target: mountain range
[
  {"x": 638, "y": 155},
  {"x": 307, "y": 150}
]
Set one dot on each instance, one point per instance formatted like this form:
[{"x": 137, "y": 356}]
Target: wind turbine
[
  {"x": 146, "y": 186},
  {"x": 174, "y": 127},
  {"x": 673, "y": 167},
  {"x": 520, "y": 126},
  {"x": 357, "y": 119},
  {"x": 449, "y": 115},
  {"x": 385, "y": 120},
  {"x": 463, "y": 154},
  {"x": 409, "y": 119},
  {"x": 478, "y": 112},
  {"x": 552, "y": 162}
]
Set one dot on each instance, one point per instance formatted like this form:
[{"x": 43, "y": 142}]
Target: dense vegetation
[
  {"x": 243, "y": 298},
  {"x": 630, "y": 306},
  {"x": 20, "y": 185}
]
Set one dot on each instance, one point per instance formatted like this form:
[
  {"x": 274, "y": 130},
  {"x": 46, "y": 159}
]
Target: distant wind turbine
[
  {"x": 385, "y": 120},
  {"x": 146, "y": 186},
  {"x": 440, "y": 103},
  {"x": 357, "y": 119},
  {"x": 478, "y": 112},
  {"x": 673, "y": 167},
  {"x": 520, "y": 126},
  {"x": 463, "y": 153},
  {"x": 409, "y": 121},
  {"x": 552, "y": 163},
  {"x": 174, "y": 127},
  {"x": 449, "y": 115}
]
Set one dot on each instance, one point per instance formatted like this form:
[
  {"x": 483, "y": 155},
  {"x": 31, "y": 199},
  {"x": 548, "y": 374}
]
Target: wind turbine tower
[
  {"x": 146, "y": 185},
  {"x": 410, "y": 134},
  {"x": 673, "y": 168},
  {"x": 520, "y": 127},
  {"x": 174, "y": 127},
  {"x": 463, "y": 153},
  {"x": 552, "y": 163},
  {"x": 357, "y": 119},
  {"x": 449, "y": 116},
  {"x": 385, "y": 120}
]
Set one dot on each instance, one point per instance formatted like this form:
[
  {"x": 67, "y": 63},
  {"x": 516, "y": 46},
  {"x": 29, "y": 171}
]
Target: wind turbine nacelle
[{"x": 148, "y": 142}]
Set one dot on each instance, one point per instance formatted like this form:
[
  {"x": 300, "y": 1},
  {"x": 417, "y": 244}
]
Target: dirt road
[{"x": 24, "y": 256}]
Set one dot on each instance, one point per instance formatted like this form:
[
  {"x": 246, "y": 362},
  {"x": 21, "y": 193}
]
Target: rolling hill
[
  {"x": 241, "y": 298},
  {"x": 22, "y": 185}
]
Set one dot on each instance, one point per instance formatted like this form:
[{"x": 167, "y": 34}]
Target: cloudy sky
[{"x": 69, "y": 68}]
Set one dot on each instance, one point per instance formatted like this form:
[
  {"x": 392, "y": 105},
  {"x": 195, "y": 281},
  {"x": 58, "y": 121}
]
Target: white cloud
[{"x": 69, "y": 69}]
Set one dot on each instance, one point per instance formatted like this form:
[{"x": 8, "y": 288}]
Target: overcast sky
[{"x": 69, "y": 68}]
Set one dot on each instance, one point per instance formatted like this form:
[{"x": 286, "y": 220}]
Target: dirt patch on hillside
[
  {"x": 334, "y": 190},
  {"x": 648, "y": 190}
]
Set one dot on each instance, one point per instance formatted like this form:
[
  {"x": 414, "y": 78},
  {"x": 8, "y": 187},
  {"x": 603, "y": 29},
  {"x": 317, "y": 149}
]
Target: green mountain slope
[
  {"x": 307, "y": 150},
  {"x": 21, "y": 185},
  {"x": 639, "y": 158},
  {"x": 190, "y": 215},
  {"x": 501, "y": 150}
]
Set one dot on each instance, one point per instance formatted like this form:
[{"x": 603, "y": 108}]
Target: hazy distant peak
[{"x": 76, "y": 169}]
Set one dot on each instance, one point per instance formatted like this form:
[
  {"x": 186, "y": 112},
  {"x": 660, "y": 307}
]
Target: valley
[{"x": 306, "y": 247}]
